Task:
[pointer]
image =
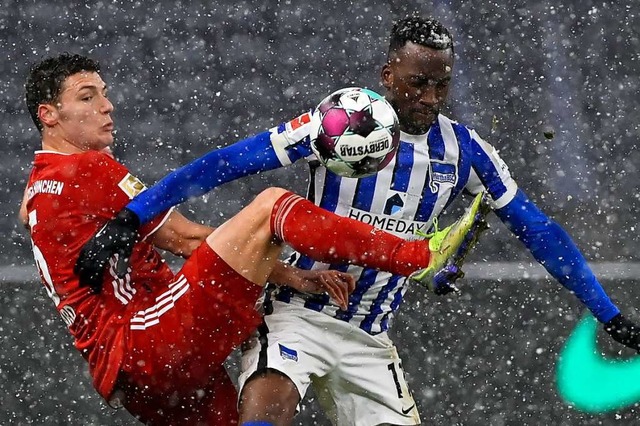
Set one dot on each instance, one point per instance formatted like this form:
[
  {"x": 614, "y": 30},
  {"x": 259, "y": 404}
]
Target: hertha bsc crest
[{"x": 441, "y": 173}]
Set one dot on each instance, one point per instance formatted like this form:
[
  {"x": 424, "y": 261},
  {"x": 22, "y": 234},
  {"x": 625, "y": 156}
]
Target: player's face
[
  {"x": 84, "y": 112},
  {"x": 417, "y": 81}
]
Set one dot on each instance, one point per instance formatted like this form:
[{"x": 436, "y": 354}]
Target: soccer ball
[{"x": 354, "y": 132}]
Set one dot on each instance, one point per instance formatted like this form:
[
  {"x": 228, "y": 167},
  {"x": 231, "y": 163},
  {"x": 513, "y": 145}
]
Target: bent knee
[
  {"x": 264, "y": 202},
  {"x": 270, "y": 195}
]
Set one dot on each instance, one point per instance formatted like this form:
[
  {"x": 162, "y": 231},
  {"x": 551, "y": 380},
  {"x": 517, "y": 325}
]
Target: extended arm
[
  {"x": 179, "y": 235},
  {"x": 545, "y": 239},
  {"x": 554, "y": 249},
  {"x": 265, "y": 151},
  {"x": 268, "y": 150}
]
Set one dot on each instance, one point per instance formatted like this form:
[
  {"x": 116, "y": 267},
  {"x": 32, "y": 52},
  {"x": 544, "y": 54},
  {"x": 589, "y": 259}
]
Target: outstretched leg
[{"x": 250, "y": 242}]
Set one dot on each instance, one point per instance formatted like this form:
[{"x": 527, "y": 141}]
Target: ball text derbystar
[{"x": 372, "y": 148}]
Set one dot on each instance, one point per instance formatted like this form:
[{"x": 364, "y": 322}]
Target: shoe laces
[
  {"x": 435, "y": 237},
  {"x": 434, "y": 226}
]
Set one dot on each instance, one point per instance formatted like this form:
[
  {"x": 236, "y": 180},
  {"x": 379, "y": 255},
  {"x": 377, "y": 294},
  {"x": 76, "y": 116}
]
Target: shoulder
[
  {"x": 97, "y": 159},
  {"x": 461, "y": 129},
  {"x": 96, "y": 164},
  {"x": 94, "y": 175}
]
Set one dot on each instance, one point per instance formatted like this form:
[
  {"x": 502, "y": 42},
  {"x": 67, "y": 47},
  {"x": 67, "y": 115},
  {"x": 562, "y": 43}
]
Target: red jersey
[{"x": 69, "y": 197}]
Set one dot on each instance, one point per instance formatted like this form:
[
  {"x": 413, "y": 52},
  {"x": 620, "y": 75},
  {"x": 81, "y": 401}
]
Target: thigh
[
  {"x": 185, "y": 331},
  {"x": 368, "y": 387},
  {"x": 246, "y": 241}
]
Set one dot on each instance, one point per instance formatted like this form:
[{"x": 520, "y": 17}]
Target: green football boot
[{"x": 450, "y": 246}]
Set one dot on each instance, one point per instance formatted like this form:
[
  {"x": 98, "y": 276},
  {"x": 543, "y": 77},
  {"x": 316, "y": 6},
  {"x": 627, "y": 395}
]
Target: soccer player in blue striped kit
[{"x": 346, "y": 353}]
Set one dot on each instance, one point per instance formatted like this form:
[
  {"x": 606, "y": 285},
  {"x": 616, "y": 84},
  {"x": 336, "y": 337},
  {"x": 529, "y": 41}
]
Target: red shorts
[{"x": 178, "y": 340}]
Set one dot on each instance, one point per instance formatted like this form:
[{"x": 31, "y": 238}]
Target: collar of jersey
[
  {"x": 408, "y": 138},
  {"x": 43, "y": 151}
]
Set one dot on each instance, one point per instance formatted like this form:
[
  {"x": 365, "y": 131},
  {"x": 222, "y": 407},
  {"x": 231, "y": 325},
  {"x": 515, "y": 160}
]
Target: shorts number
[{"x": 394, "y": 373}]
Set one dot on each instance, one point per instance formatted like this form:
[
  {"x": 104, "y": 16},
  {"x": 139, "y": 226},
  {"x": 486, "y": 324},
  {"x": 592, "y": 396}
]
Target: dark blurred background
[{"x": 553, "y": 85}]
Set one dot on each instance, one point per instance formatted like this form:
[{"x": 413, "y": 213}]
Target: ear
[
  {"x": 48, "y": 114},
  {"x": 386, "y": 75}
]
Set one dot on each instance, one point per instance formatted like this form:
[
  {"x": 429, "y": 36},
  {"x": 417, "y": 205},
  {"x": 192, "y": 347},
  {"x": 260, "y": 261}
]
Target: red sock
[{"x": 329, "y": 238}]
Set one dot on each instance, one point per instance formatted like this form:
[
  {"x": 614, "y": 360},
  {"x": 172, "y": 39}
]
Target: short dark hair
[
  {"x": 46, "y": 77},
  {"x": 427, "y": 32}
]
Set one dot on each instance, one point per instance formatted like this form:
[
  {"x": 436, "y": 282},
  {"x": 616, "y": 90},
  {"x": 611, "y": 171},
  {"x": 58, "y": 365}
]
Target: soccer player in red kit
[{"x": 156, "y": 340}]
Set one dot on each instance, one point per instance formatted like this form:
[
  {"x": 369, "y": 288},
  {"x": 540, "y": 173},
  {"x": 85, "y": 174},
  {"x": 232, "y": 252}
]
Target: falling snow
[{"x": 554, "y": 86}]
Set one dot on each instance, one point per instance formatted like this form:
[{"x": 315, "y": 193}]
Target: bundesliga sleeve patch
[{"x": 131, "y": 185}]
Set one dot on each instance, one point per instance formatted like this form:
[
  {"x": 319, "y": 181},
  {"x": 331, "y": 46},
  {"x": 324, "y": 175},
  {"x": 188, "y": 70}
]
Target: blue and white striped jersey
[{"x": 425, "y": 176}]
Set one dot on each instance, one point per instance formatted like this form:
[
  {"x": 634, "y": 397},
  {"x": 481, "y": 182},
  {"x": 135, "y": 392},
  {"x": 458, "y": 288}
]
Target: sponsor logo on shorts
[
  {"x": 407, "y": 410},
  {"x": 287, "y": 353}
]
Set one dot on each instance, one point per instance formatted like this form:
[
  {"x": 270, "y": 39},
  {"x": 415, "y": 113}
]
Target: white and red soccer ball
[{"x": 354, "y": 132}]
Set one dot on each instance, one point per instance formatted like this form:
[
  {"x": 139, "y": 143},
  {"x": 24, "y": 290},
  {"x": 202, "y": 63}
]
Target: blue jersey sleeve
[
  {"x": 489, "y": 172},
  {"x": 265, "y": 151},
  {"x": 554, "y": 249}
]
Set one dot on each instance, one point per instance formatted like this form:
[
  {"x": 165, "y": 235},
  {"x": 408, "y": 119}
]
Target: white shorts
[{"x": 358, "y": 378}]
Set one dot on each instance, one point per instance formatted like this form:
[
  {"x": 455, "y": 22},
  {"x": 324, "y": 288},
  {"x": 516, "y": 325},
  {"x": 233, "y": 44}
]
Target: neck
[{"x": 54, "y": 142}]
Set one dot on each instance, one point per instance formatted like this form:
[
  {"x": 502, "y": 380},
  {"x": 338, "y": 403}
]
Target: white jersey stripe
[{"x": 382, "y": 192}]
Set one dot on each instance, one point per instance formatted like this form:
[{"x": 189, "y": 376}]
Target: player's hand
[
  {"x": 624, "y": 331},
  {"x": 338, "y": 285},
  {"x": 117, "y": 237},
  {"x": 444, "y": 282}
]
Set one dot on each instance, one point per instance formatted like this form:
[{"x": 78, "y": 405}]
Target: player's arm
[
  {"x": 179, "y": 235},
  {"x": 552, "y": 246},
  {"x": 265, "y": 151},
  {"x": 546, "y": 240},
  {"x": 269, "y": 150}
]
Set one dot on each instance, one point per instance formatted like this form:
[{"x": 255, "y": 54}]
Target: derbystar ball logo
[
  {"x": 592, "y": 382},
  {"x": 371, "y": 148}
]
